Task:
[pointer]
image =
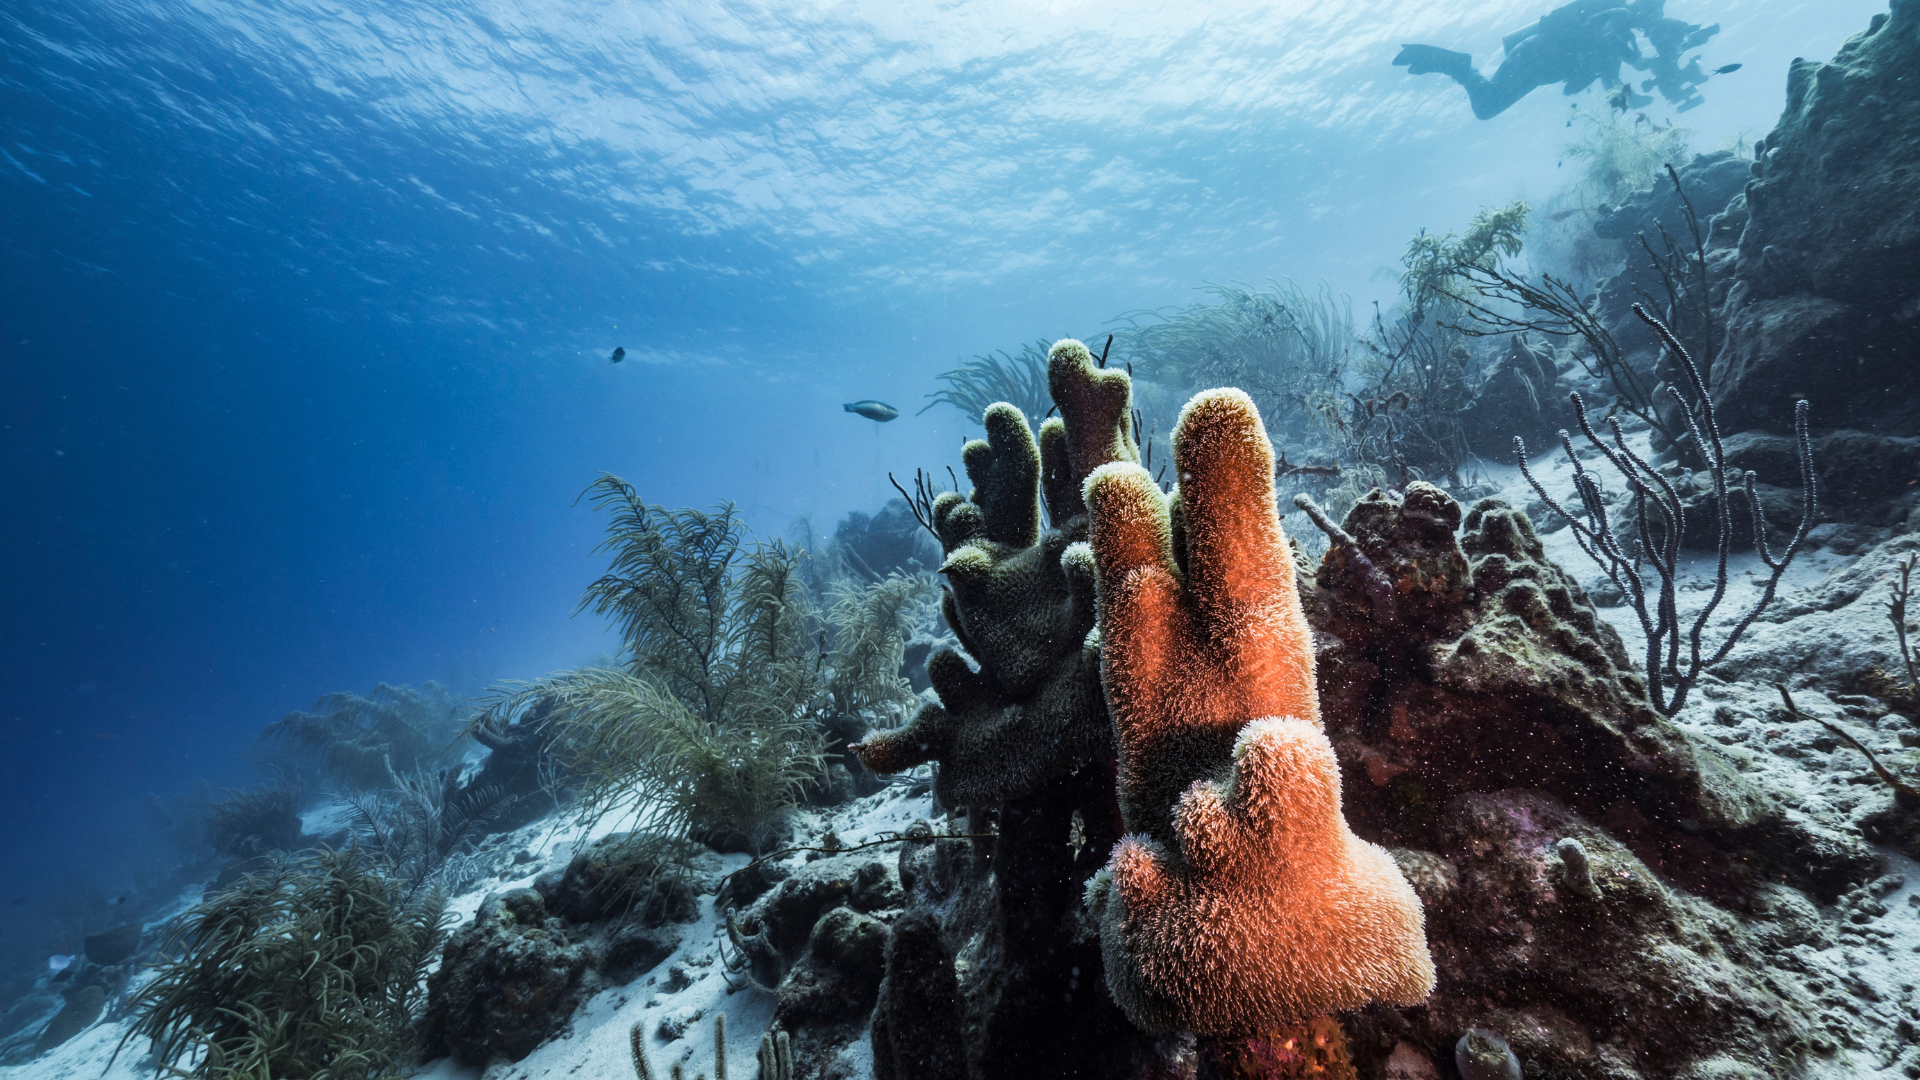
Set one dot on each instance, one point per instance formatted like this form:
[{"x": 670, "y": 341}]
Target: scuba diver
[
  {"x": 1577, "y": 45},
  {"x": 1671, "y": 38}
]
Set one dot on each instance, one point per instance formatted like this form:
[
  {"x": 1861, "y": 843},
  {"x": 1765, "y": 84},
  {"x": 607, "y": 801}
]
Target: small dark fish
[
  {"x": 18, "y": 902},
  {"x": 1728, "y": 69},
  {"x": 873, "y": 410},
  {"x": 619, "y": 354}
]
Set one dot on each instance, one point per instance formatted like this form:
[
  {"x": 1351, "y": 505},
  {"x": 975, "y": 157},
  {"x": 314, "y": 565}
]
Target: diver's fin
[
  {"x": 1428, "y": 59},
  {"x": 1699, "y": 37}
]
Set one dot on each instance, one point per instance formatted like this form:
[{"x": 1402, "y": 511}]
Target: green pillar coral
[
  {"x": 1241, "y": 902},
  {"x": 1019, "y": 601}
]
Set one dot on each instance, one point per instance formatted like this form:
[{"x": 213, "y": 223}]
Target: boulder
[
  {"x": 1519, "y": 398},
  {"x": 115, "y": 946},
  {"x": 512, "y": 978},
  {"x": 641, "y": 875},
  {"x": 78, "y": 1014},
  {"x": 1826, "y": 296},
  {"x": 1627, "y": 977},
  {"x": 508, "y": 981},
  {"x": 839, "y": 978},
  {"x": 889, "y": 541}
]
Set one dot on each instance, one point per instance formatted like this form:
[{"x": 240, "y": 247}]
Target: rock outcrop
[
  {"x": 1494, "y": 673},
  {"x": 512, "y": 978},
  {"x": 1825, "y": 301}
]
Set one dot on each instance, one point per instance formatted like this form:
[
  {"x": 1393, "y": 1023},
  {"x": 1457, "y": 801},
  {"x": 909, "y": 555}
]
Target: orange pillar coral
[{"x": 1240, "y": 902}]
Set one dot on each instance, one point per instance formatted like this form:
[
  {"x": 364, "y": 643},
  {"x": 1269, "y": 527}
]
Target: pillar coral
[
  {"x": 1019, "y": 600},
  {"x": 1241, "y": 901}
]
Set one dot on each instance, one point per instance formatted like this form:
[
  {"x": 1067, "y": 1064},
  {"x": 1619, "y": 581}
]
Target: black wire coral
[{"x": 1655, "y": 524}]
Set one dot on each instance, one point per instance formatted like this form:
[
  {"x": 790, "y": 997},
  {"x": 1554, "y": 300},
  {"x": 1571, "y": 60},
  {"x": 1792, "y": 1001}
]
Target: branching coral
[
  {"x": 707, "y": 726},
  {"x": 309, "y": 970},
  {"x": 1656, "y": 518},
  {"x": 1241, "y": 901},
  {"x": 732, "y": 679},
  {"x": 1019, "y": 604}
]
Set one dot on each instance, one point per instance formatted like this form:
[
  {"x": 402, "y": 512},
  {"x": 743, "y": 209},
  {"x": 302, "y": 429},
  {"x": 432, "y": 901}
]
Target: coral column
[{"x": 1240, "y": 903}]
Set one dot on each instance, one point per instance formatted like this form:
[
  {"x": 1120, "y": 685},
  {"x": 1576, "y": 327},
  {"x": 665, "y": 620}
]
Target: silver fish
[{"x": 873, "y": 410}]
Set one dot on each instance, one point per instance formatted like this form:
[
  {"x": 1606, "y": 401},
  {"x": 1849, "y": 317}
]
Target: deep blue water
[{"x": 305, "y": 305}]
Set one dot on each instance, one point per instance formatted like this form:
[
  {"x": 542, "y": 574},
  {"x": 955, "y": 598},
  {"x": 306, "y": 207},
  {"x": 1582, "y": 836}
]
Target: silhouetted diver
[{"x": 1577, "y": 45}]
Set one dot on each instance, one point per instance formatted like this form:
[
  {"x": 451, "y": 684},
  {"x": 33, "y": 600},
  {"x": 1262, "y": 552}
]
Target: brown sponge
[{"x": 1241, "y": 902}]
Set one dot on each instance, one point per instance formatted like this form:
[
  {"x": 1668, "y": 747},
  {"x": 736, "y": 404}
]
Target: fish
[
  {"x": 59, "y": 963},
  {"x": 619, "y": 354},
  {"x": 873, "y": 410},
  {"x": 1728, "y": 69}
]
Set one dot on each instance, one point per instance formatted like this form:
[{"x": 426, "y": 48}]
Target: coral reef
[
  {"x": 251, "y": 823},
  {"x": 1243, "y": 902},
  {"x": 521, "y": 766},
  {"x": 115, "y": 946},
  {"x": 839, "y": 978},
  {"x": 1634, "y": 979},
  {"x": 1018, "y": 379},
  {"x": 711, "y": 711},
  {"x": 775, "y": 1056},
  {"x": 626, "y": 875},
  {"x": 1656, "y": 525},
  {"x": 1494, "y": 729},
  {"x": 1518, "y": 398},
  {"x": 772, "y": 935},
  {"x": 1282, "y": 344},
  {"x": 83, "y": 1007},
  {"x": 1023, "y": 743},
  {"x": 426, "y": 825},
  {"x": 735, "y": 690},
  {"x": 1484, "y": 1055},
  {"x": 1497, "y": 673},
  {"x": 1704, "y": 192},
  {"x": 890, "y": 541}
]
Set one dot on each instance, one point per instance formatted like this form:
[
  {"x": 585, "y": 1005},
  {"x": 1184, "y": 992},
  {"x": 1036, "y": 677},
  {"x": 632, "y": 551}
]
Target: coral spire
[{"x": 1242, "y": 902}]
